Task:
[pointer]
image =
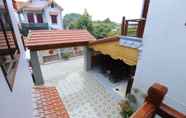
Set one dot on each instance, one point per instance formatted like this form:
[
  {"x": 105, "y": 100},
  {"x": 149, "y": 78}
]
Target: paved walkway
[{"x": 82, "y": 94}]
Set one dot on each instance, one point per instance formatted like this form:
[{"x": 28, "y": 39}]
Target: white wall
[
  {"x": 17, "y": 104},
  {"x": 56, "y": 11},
  {"x": 163, "y": 58}
]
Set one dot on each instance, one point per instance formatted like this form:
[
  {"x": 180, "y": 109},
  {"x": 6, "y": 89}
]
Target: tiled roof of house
[
  {"x": 3, "y": 44},
  {"x": 47, "y": 103},
  {"x": 19, "y": 4},
  {"x": 48, "y": 39},
  {"x": 33, "y": 6}
]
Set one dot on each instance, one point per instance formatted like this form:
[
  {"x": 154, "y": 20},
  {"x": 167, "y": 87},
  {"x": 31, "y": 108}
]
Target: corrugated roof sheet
[
  {"x": 111, "y": 46},
  {"x": 48, "y": 39}
]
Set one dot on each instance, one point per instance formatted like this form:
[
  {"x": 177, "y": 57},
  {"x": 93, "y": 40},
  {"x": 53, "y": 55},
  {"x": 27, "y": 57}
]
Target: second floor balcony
[{"x": 33, "y": 26}]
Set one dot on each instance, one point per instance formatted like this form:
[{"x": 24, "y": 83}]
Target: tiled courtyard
[{"x": 84, "y": 94}]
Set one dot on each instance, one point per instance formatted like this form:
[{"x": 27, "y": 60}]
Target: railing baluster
[
  {"x": 11, "y": 25},
  {"x": 140, "y": 28}
]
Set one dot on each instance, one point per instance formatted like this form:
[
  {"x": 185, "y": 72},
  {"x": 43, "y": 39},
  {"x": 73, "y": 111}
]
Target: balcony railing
[
  {"x": 153, "y": 105},
  {"x": 33, "y": 26},
  {"x": 9, "y": 50},
  {"x": 133, "y": 27}
]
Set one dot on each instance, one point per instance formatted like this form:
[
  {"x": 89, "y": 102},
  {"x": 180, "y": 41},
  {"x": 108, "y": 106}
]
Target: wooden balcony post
[
  {"x": 155, "y": 96},
  {"x": 140, "y": 28},
  {"x": 126, "y": 28},
  {"x": 145, "y": 8},
  {"x": 123, "y": 26}
]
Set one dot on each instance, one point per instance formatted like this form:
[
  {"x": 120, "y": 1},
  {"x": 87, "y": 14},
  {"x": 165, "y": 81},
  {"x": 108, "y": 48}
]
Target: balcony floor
[{"x": 84, "y": 94}]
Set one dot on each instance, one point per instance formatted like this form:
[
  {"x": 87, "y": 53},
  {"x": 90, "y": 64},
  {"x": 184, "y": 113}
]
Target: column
[
  {"x": 88, "y": 58},
  {"x": 36, "y": 69}
]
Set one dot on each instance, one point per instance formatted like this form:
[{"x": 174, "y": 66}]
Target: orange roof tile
[
  {"x": 47, "y": 103},
  {"x": 47, "y": 39},
  {"x": 3, "y": 44}
]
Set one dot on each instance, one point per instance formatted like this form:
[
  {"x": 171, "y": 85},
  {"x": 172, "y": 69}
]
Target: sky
[{"x": 102, "y": 9}]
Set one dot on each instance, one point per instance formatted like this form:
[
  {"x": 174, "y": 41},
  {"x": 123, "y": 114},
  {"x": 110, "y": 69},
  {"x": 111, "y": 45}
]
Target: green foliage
[
  {"x": 84, "y": 22},
  {"x": 66, "y": 56},
  {"x": 132, "y": 31},
  {"x": 99, "y": 29},
  {"x": 70, "y": 19},
  {"x": 127, "y": 110},
  {"x": 105, "y": 28}
]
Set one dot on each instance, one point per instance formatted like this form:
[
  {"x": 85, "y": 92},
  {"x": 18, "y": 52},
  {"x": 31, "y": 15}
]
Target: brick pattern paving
[{"x": 47, "y": 103}]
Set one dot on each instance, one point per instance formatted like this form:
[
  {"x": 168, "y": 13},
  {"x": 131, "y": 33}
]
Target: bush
[
  {"x": 66, "y": 56},
  {"x": 127, "y": 110}
]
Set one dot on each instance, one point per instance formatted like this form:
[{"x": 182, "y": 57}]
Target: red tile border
[{"x": 47, "y": 103}]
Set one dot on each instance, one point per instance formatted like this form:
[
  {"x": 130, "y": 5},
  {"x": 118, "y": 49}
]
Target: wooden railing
[
  {"x": 133, "y": 27},
  {"x": 153, "y": 105}
]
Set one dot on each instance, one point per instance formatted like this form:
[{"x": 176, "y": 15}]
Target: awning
[{"x": 111, "y": 47}]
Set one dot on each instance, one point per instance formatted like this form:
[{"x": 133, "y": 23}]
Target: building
[
  {"x": 42, "y": 14},
  {"x": 162, "y": 59},
  {"x": 41, "y": 11}
]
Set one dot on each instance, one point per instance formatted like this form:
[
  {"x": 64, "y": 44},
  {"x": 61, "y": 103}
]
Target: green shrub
[
  {"x": 66, "y": 56},
  {"x": 127, "y": 110}
]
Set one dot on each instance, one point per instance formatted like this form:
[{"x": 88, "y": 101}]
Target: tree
[
  {"x": 84, "y": 22},
  {"x": 105, "y": 28},
  {"x": 70, "y": 19},
  {"x": 107, "y": 20},
  {"x": 99, "y": 29}
]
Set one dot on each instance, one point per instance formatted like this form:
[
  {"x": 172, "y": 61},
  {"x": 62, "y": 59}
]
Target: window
[
  {"x": 30, "y": 17},
  {"x": 9, "y": 51},
  {"x": 39, "y": 18},
  {"x": 52, "y": 5},
  {"x": 54, "y": 19}
]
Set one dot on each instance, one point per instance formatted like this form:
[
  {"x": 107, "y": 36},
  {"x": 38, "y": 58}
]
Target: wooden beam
[
  {"x": 167, "y": 112},
  {"x": 55, "y": 46}
]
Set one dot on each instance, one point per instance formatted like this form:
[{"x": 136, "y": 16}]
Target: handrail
[
  {"x": 136, "y": 20},
  {"x": 168, "y": 112},
  {"x": 153, "y": 105},
  {"x": 147, "y": 110}
]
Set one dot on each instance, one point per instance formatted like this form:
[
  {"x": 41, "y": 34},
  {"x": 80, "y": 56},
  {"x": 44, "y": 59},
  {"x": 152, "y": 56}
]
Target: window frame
[
  {"x": 30, "y": 15},
  {"x": 52, "y": 5},
  {"x": 54, "y": 19},
  {"x": 39, "y": 17}
]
